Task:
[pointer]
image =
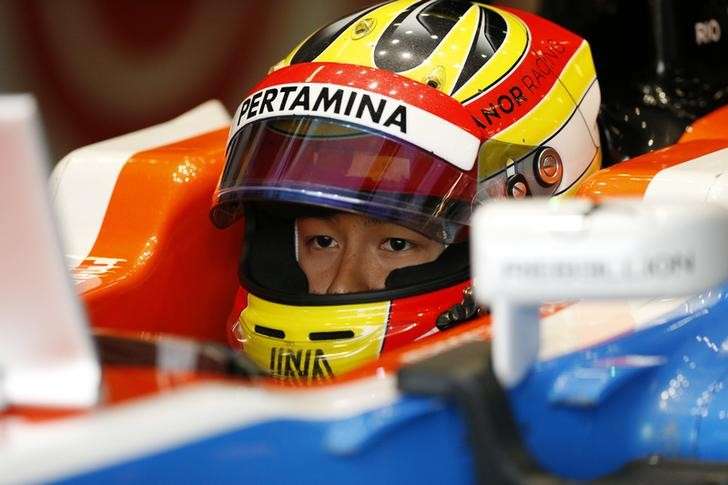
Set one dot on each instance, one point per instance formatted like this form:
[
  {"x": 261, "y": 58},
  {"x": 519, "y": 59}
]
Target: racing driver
[{"x": 356, "y": 163}]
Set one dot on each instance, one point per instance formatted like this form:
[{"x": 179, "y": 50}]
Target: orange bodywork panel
[
  {"x": 174, "y": 272},
  {"x": 713, "y": 126},
  {"x": 630, "y": 178}
]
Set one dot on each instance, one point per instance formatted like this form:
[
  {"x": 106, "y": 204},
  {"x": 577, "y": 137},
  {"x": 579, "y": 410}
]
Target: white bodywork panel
[{"x": 704, "y": 179}]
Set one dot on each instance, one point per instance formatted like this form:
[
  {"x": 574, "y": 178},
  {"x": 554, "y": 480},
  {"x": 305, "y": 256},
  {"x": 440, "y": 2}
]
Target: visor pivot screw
[
  {"x": 519, "y": 190},
  {"x": 518, "y": 187},
  {"x": 363, "y": 28},
  {"x": 549, "y": 168}
]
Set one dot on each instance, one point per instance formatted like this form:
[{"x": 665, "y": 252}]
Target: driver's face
[{"x": 348, "y": 253}]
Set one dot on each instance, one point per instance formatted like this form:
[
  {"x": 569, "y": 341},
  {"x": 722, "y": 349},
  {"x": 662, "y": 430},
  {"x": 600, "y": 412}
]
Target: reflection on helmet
[{"x": 410, "y": 112}]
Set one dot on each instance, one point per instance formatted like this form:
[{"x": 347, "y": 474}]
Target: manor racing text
[{"x": 539, "y": 73}]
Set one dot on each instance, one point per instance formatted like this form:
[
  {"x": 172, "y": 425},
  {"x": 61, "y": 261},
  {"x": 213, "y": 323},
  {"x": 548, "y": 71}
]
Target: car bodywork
[
  {"x": 616, "y": 383},
  {"x": 648, "y": 375}
]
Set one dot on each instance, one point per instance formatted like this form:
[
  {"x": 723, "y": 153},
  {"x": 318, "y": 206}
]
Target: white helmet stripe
[{"x": 364, "y": 108}]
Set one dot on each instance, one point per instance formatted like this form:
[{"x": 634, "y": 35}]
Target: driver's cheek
[{"x": 320, "y": 268}]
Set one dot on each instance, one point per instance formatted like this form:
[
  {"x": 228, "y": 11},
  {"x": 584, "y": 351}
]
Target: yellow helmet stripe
[
  {"x": 542, "y": 121},
  {"x": 545, "y": 119},
  {"x": 362, "y": 53},
  {"x": 280, "y": 337},
  {"x": 556, "y": 107},
  {"x": 579, "y": 73},
  {"x": 439, "y": 66},
  {"x": 503, "y": 61}
]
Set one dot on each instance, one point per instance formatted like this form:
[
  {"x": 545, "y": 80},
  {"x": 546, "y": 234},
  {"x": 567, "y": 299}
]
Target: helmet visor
[{"x": 333, "y": 164}]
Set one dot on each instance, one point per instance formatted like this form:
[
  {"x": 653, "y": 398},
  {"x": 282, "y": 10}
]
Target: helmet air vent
[
  {"x": 270, "y": 332},
  {"x": 436, "y": 78},
  {"x": 363, "y": 28},
  {"x": 337, "y": 335}
]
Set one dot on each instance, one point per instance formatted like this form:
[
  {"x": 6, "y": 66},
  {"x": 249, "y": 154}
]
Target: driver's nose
[{"x": 354, "y": 275}]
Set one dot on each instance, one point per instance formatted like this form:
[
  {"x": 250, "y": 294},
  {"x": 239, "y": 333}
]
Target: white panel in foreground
[
  {"x": 550, "y": 250},
  {"x": 525, "y": 253},
  {"x": 46, "y": 354}
]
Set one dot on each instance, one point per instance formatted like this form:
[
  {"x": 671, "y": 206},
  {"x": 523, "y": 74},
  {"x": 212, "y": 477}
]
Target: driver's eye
[
  {"x": 395, "y": 244},
  {"x": 323, "y": 242}
]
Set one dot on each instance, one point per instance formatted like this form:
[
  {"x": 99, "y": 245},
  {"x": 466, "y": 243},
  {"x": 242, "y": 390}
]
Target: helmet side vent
[
  {"x": 337, "y": 335},
  {"x": 270, "y": 332}
]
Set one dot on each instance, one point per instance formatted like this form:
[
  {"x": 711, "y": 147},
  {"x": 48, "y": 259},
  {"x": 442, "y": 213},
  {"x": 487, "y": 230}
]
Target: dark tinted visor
[{"x": 332, "y": 164}]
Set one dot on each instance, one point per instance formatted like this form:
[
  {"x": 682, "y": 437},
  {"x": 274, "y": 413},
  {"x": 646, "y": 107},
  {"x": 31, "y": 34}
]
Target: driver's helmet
[{"x": 411, "y": 112}]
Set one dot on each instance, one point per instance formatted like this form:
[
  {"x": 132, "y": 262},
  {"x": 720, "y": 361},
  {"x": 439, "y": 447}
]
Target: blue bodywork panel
[
  {"x": 647, "y": 393},
  {"x": 413, "y": 441}
]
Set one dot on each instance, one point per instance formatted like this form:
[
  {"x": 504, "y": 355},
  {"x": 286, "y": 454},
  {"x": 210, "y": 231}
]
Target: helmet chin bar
[{"x": 525, "y": 253}]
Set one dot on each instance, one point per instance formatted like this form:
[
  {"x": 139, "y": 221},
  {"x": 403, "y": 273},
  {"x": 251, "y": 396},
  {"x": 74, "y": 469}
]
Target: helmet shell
[{"x": 523, "y": 86}]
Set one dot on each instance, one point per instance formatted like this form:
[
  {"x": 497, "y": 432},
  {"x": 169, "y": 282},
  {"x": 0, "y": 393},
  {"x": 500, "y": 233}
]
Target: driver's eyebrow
[
  {"x": 329, "y": 216},
  {"x": 368, "y": 221},
  {"x": 372, "y": 221}
]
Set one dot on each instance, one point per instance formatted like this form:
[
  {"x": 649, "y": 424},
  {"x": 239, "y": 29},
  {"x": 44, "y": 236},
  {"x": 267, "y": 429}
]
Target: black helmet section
[
  {"x": 268, "y": 260},
  {"x": 268, "y": 266}
]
